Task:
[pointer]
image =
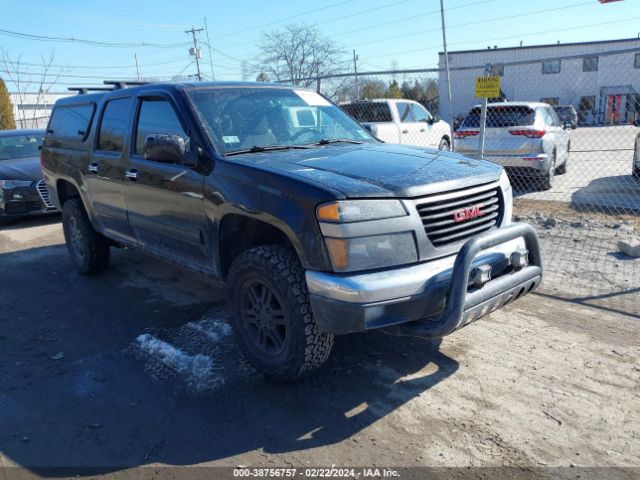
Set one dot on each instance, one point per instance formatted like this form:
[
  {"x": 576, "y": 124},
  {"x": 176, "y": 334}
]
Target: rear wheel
[
  {"x": 444, "y": 145},
  {"x": 547, "y": 179},
  {"x": 272, "y": 317},
  {"x": 88, "y": 249},
  {"x": 562, "y": 169}
]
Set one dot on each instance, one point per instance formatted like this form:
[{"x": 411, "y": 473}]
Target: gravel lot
[{"x": 137, "y": 367}]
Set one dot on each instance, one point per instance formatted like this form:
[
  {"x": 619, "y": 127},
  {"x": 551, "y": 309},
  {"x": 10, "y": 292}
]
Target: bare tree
[
  {"x": 27, "y": 81},
  {"x": 297, "y": 53}
]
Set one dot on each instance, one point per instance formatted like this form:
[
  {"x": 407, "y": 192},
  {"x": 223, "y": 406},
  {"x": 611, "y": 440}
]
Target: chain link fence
[{"x": 564, "y": 128}]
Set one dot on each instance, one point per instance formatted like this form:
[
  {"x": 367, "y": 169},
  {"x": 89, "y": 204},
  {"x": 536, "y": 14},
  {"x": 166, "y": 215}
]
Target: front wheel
[
  {"x": 88, "y": 249},
  {"x": 272, "y": 317},
  {"x": 444, "y": 145}
]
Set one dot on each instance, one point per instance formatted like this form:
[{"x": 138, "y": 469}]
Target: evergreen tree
[
  {"x": 394, "y": 90},
  {"x": 6, "y": 109}
]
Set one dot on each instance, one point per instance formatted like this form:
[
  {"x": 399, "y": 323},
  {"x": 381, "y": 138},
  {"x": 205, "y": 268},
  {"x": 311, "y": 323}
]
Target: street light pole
[{"x": 446, "y": 62}]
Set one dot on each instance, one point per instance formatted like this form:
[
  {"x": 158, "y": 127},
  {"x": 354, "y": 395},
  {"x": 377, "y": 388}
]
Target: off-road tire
[
  {"x": 444, "y": 145},
  {"x": 89, "y": 250},
  {"x": 305, "y": 349}
]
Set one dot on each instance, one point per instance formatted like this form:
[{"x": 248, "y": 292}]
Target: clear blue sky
[{"x": 382, "y": 31}]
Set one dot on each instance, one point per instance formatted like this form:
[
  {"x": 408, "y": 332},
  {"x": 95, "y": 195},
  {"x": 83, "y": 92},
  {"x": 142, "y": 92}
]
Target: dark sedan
[{"x": 22, "y": 189}]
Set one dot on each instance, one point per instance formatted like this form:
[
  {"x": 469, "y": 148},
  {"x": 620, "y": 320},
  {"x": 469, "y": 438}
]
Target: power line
[
  {"x": 102, "y": 67},
  {"x": 520, "y": 35},
  {"x": 43, "y": 38},
  {"x": 255, "y": 27},
  {"x": 477, "y": 22},
  {"x": 363, "y": 12}
]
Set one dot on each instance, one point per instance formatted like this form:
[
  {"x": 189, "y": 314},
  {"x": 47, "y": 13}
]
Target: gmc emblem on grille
[{"x": 468, "y": 213}]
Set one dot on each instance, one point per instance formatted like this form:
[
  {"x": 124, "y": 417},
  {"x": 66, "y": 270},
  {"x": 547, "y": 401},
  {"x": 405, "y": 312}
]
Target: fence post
[
  {"x": 483, "y": 121},
  {"x": 483, "y": 114}
]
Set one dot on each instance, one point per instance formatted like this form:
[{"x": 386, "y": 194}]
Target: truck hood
[
  {"x": 379, "y": 170},
  {"x": 21, "y": 169}
]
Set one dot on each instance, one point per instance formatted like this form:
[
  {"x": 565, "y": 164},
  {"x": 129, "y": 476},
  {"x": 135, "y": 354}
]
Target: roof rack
[
  {"x": 83, "y": 90},
  {"x": 112, "y": 85},
  {"x": 118, "y": 84}
]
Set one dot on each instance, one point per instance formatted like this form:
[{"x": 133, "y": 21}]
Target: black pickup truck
[{"x": 316, "y": 227}]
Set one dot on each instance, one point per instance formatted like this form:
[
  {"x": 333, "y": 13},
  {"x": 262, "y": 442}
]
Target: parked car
[
  {"x": 567, "y": 114},
  {"x": 528, "y": 139},
  {"x": 457, "y": 120},
  {"x": 317, "y": 230},
  {"x": 635, "y": 168},
  {"x": 22, "y": 188},
  {"x": 404, "y": 122}
]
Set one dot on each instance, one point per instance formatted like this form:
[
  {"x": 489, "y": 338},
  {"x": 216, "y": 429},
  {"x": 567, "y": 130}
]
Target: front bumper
[
  {"x": 431, "y": 299},
  {"x": 25, "y": 201}
]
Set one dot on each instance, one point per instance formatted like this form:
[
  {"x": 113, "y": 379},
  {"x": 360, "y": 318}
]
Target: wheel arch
[{"x": 238, "y": 233}]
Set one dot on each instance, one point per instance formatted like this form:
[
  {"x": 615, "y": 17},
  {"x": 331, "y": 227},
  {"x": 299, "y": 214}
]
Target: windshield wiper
[
  {"x": 327, "y": 141},
  {"x": 266, "y": 148}
]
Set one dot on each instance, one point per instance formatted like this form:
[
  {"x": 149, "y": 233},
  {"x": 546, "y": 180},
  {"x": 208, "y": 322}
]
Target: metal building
[{"x": 600, "y": 79}]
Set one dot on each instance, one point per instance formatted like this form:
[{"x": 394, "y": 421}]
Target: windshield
[
  {"x": 498, "y": 117},
  {"x": 240, "y": 118},
  {"x": 19, "y": 146}
]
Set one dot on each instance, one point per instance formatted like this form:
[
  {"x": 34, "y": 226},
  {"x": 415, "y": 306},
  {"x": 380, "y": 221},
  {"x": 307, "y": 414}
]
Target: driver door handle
[
  {"x": 93, "y": 168},
  {"x": 132, "y": 174},
  {"x": 405, "y": 131},
  {"x": 422, "y": 130}
]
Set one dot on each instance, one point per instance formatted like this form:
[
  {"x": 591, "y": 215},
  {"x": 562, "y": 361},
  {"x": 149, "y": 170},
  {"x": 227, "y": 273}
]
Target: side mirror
[
  {"x": 567, "y": 125},
  {"x": 165, "y": 148}
]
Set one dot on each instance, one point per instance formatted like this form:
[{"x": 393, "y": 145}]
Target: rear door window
[
  {"x": 71, "y": 121},
  {"x": 113, "y": 126},
  {"x": 500, "y": 117},
  {"x": 368, "y": 111}
]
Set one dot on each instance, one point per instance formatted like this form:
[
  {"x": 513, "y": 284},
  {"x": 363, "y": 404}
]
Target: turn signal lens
[
  {"x": 338, "y": 251},
  {"x": 329, "y": 212}
]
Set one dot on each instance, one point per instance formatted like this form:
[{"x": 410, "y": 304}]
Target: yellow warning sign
[{"x": 487, "y": 87}]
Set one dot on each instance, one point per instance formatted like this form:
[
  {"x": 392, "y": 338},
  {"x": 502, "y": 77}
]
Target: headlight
[
  {"x": 507, "y": 193},
  {"x": 360, "y": 210},
  {"x": 377, "y": 251},
  {"x": 8, "y": 184},
  {"x": 348, "y": 227}
]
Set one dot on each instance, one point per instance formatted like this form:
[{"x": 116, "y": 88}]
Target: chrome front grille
[
  {"x": 456, "y": 216},
  {"x": 44, "y": 194}
]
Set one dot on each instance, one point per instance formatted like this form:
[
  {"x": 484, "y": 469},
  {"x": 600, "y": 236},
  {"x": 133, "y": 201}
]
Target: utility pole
[
  {"x": 206, "y": 28},
  {"x": 195, "y": 51},
  {"x": 355, "y": 69},
  {"x": 135, "y": 55},
  {"x": 446, "y": 62}
]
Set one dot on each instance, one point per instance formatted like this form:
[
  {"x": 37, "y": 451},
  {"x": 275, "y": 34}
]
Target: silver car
[{"x": 527, "y": 138}]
